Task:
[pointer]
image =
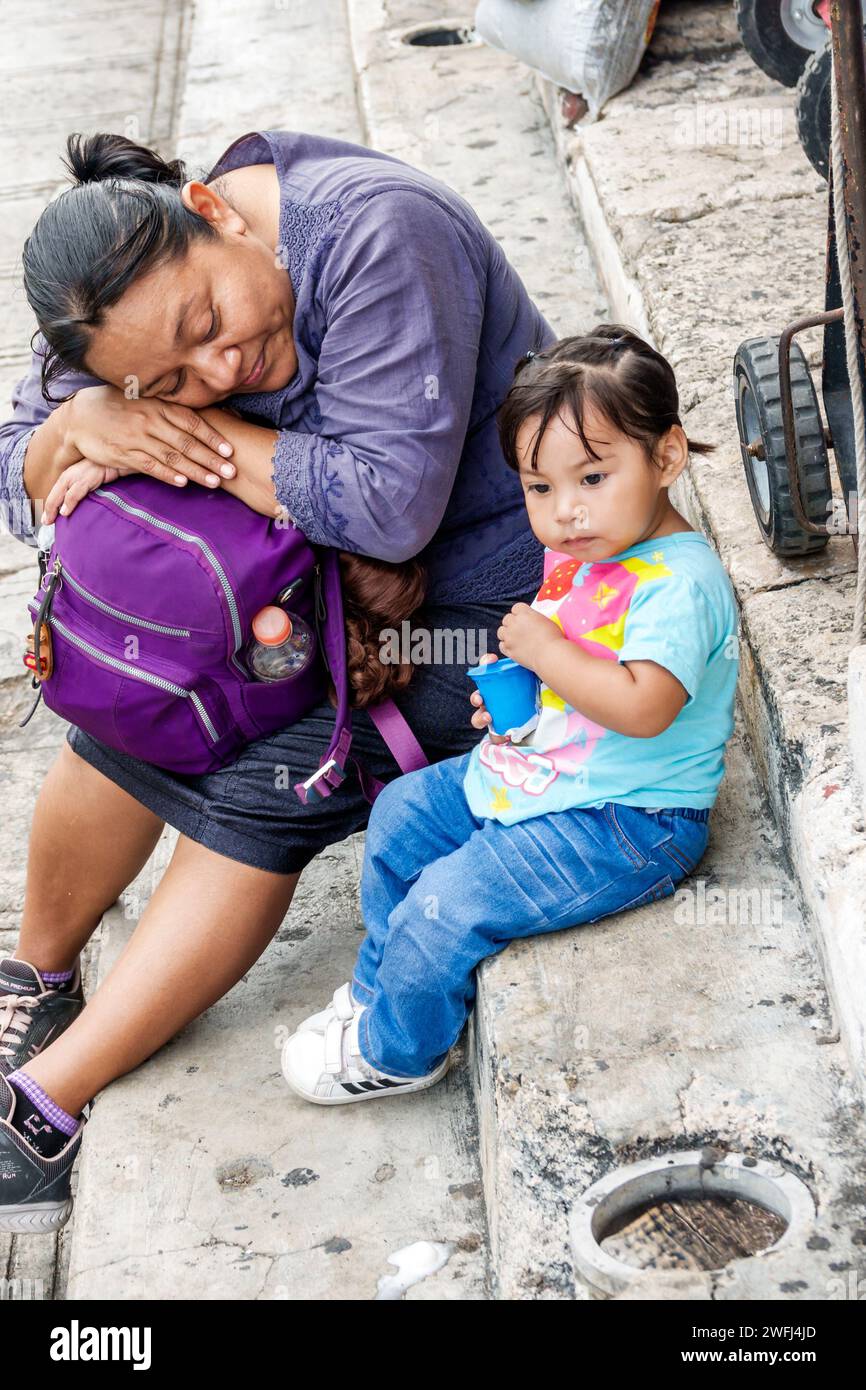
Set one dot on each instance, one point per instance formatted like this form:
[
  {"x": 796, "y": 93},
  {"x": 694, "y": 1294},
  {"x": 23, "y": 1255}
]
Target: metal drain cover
[{"x": 705, "y": 1174}]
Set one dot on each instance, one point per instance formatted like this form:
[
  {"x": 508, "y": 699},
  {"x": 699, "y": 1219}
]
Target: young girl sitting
[{"x": 604, "y": 805}]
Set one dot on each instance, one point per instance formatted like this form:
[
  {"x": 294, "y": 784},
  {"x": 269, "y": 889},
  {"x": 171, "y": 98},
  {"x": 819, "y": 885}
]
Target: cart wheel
[
  {"x": 813, "y": 109},
  {"x": 779, "y": 35},
  {"x": 759, "y": 421}
]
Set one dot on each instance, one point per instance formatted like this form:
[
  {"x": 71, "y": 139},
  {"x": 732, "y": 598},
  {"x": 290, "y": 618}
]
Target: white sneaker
[
  {"x": 341, "y": 1007},
  {"x": 327, "y": 1068}
]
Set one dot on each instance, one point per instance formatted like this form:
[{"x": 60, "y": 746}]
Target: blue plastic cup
[{"x": 511, "y": 694}]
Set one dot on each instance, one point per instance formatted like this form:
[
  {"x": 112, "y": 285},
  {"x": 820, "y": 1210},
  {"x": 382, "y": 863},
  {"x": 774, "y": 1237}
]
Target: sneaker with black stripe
[
  {"x": 327, "y": 1067},
  {"x": 32, "y": 1014}
]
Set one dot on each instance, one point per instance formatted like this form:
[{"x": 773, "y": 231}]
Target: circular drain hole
[
  {"x": 696, "y": 1210},
  {"x": 444, "y": 34},
  {"x": 692, "y": 1233}
]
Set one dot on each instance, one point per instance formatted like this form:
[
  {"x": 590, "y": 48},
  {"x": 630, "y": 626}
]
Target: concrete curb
[
  {"x": 796, "y": 720},
  {"x": 857, "y": 716}
]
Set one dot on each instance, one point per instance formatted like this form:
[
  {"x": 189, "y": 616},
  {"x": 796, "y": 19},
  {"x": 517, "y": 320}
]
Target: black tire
[
  {"x": 770, "y": 44},
  {"x": 813, "y": 110},
  {"x": 759, "y": 421}
]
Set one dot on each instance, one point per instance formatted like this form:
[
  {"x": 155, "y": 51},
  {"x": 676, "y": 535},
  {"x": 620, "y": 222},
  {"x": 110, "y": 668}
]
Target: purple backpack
[{"x": 149, "y": 592}]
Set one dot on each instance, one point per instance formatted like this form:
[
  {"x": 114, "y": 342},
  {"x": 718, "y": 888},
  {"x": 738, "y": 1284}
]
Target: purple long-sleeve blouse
[{"x": 408, "y": 323}]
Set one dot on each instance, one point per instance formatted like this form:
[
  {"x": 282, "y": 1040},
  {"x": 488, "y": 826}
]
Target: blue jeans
[{"x": 441, "y": 890}]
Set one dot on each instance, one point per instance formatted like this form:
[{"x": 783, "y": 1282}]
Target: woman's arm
[
  {"x": 404, "y": 297},
  {"x": 46, "y": 456},
  {"x": 52, "y": 454},
  {"x": 32, "y": 451},
  {"x": 252, "y": 455}
]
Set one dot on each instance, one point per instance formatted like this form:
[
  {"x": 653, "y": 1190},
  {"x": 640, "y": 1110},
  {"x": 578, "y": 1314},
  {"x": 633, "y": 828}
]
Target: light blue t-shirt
[{"x": 668, "y": 600}]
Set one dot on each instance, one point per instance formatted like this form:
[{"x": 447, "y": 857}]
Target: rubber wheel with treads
[
  {"x": 762, "y": 442},
  {"x": 779, "y": 35}
]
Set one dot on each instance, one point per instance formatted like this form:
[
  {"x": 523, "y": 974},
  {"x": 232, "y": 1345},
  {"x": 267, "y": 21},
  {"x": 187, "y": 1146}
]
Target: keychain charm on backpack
[
  {"x": 45, "y": 665},
  {"x": 41, "y": 664}
]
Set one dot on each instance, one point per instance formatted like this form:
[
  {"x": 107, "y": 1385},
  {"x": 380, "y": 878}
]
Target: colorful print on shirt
[{"x": 641, "y": 604}]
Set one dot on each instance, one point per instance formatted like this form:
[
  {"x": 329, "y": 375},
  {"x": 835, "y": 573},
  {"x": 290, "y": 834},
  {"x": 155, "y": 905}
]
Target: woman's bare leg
[
  {"x": 88, "y": 841},
  {"x": 208, "y": 921}
]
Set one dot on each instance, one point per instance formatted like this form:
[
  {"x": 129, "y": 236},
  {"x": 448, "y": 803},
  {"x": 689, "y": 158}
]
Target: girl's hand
[
  {"x": 74, "y": 483},
  {"x": 482, "y": 718},
  {"x": 524, "y": 632},
  {"x": 145, "y": 435}
]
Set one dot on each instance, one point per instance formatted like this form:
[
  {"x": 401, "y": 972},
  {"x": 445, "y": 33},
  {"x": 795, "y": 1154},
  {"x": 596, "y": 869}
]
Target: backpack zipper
[
  {"x": 128, "y": 669},
  {"x": 319, "y": 596},
  {"x": 117, "y": 613},
  {"x": 206, "y": 551}
]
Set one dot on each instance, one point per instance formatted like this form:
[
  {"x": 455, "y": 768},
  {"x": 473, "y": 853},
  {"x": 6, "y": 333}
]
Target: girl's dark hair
[
  {"x": 610, "y": 368},
  {"x": 376, "y": 595},
  {"x": 123, "y": 217}
]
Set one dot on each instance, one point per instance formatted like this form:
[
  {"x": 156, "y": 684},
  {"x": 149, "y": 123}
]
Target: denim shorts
[{"x": 249, "y": 811}]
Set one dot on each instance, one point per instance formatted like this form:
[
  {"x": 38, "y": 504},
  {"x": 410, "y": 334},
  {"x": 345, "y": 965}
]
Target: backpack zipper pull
[
  {"x": 285, "y": 594},
  {"x": 320, "y": 601}
]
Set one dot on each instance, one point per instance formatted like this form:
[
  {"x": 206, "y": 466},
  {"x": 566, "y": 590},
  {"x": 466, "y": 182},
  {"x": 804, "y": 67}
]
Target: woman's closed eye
[{"x": 211, "y": 333}]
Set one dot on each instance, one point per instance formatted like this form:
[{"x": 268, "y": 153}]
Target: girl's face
[
  {"x": 594, "y": 508},
  {"x": 193, "y": 329}
]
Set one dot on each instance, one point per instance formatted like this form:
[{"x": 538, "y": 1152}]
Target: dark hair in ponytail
[
  {"x": 611, "y": 368},
  {"x": 123, "y": 217}
]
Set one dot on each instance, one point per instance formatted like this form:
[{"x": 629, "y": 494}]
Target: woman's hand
[
  {"x": 525, "y": 634},
  {"x": 73, "y": 484},
  {"x": 146, "y": 435},
  {"x": 482, "y": 718}
]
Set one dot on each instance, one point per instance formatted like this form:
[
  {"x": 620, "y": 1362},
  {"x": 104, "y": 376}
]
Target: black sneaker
[
  {"x": 32, "y": 1014},
  {"x": 35, "y": 1195}
]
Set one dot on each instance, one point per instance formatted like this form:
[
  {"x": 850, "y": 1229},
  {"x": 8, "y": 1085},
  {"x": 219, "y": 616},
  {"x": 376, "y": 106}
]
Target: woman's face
[{"x": 193, "y": 329}]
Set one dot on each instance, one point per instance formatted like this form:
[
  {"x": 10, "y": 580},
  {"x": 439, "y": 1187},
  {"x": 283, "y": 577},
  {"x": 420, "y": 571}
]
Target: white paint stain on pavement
[{"x": 414, "y": 1263}]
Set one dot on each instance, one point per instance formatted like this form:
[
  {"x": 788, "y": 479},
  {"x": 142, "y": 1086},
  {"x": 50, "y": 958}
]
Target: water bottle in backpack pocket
[{"x": 281, "y": 645}]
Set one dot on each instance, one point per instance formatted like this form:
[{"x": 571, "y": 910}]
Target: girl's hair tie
[{"x": 611, "y": 342}]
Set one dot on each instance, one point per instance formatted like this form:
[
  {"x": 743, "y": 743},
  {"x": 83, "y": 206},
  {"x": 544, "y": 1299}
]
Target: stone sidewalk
[
  {"x": 671, "y": 1027},
  {"x": 109, "y": 68}
]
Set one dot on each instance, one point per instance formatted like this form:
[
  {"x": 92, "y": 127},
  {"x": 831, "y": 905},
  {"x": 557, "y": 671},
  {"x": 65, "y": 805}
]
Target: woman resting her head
[
  {"x": 327, "y": 333},
  {"x": 93, "y": 311}
]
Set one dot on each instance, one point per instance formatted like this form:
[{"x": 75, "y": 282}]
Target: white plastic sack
[{"x": 591, "y": 47}]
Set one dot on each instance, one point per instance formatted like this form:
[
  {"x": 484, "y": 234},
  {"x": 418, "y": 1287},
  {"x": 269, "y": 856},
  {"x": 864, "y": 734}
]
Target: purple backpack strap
[
  {"x": 331, "y": 771},
  {"x": 332, "y": 635},
  {"x": 407, "y": 751},
  {"x": 405, "y": 747}
]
